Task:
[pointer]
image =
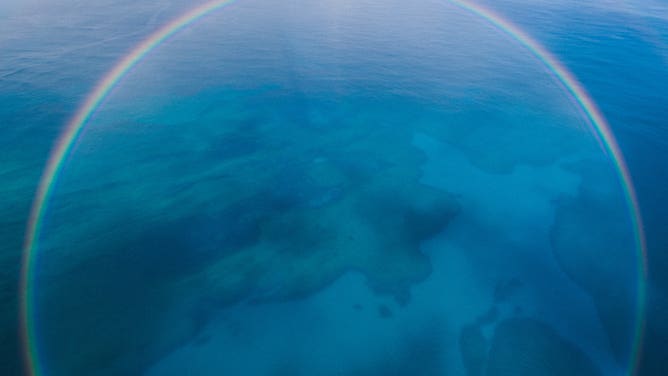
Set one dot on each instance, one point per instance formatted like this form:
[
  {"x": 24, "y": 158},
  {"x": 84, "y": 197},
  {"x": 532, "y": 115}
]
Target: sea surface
[{"x": 335, "y": 187}]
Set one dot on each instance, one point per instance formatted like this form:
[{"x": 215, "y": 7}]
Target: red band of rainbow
[{"x": 73, "y": 128}]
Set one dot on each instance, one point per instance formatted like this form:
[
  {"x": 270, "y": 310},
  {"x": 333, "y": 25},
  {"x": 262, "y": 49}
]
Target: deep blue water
[{"x": 335, "y": 188}]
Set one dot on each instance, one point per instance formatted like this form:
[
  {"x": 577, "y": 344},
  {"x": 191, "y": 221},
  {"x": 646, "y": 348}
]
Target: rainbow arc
[{"x": 73, "y": 128}]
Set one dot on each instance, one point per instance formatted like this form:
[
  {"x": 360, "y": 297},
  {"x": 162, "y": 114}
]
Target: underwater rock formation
[
  {"x": 528, "y": 347},
  {"x": 593, "y": 242},
  {"x": 277, "y": 218}
]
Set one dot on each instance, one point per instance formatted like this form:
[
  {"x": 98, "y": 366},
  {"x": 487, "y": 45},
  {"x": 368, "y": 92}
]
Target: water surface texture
[{"x": 334, "y": 187}]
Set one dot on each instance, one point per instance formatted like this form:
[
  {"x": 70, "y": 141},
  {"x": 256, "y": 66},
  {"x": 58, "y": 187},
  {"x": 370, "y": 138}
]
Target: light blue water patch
[
  {"x": 503, "y": 235},
  {"x": 486, "y": 268},
  {"x": 213, "y": 200},
  {"x": 342, "y": 330}
]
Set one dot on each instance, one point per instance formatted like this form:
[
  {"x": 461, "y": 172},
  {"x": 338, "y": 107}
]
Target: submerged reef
[
  {"x": 529, "y": 347},
  {"x": 593, "y": 243},
  {"x": 503, "y": 341},
  {"x": 371, "y": 229},
  {"x": 243, "y": 209}
]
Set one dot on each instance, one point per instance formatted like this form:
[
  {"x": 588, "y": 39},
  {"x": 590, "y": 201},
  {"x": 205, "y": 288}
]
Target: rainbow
[
  {"x": 607, "y": 139},
  {"x": 62, "y": 149},
  {"x": 68, "y": 137}
]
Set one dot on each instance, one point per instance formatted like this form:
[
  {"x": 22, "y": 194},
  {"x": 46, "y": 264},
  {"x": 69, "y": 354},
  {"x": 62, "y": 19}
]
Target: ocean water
[{"x": 334, "y": 188}]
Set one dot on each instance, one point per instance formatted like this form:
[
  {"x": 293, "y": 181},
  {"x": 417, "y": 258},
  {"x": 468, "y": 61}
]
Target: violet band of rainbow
[
  {"x": 603, "y": 132},
  {"x": 59, "y": 154},
  {"x": 73, "y": 128}
]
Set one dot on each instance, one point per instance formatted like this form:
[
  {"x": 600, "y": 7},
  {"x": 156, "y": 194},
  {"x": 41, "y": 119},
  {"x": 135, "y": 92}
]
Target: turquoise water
[{"x": 334, "y": 188}]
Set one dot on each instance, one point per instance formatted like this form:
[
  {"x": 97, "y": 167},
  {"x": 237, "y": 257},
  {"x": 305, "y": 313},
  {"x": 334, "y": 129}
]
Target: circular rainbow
[{"x": 66, "y": 140}]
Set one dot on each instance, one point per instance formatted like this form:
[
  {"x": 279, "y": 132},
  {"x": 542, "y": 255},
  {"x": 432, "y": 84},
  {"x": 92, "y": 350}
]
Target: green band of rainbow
[
  {"x": 60, "y": 152},
  {"x": 603, "y": 132},
  {"x": 73, "y": 128}
]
